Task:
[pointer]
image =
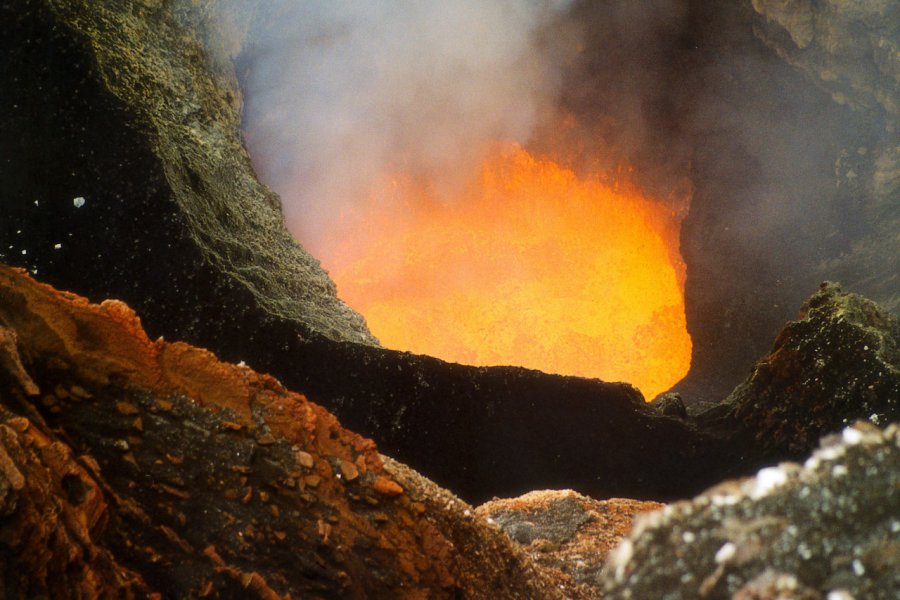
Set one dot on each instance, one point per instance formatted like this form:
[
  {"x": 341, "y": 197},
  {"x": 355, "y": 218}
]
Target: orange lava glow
[{"x": 528, "y": 266}]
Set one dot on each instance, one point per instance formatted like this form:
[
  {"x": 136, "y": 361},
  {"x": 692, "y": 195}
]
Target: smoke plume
[{"x": 339, "y": 93}]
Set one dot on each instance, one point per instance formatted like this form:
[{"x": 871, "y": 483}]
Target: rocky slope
[
  {"x": 129, "y": 466},
  {"x": 568, "y": 534},
  {"x": 120, "y": 105},
  {"x": 166, "y": 471},
  {"x": 838, "y": 363}
]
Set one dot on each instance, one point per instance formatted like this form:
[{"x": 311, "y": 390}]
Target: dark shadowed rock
[
  {"x": 670, "y": 404},
  {"x": 824, "y": 530},
  {"x": 129, "y": 466},
  {"x": 850, "y": 50},
  {"x": 838, "y": 363},
  {"x": 123, "y": 155}
]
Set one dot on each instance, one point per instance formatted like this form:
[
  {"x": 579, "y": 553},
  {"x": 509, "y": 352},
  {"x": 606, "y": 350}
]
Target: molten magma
[{"x": 528, "y": 266}]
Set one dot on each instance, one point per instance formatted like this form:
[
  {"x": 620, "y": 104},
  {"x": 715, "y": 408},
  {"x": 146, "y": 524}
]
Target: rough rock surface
[
  {"x": 130, "y": 466},
  {"x": 52, "y": 516},
  {"x": 852, "y": 50},
  {"x": 119, "y": 104},
  {"x": 824, "y": 530},
  {"x": 838, "y": 363},
  {"x": 790, "y": 187},
  {"x": 567, "y": 533},
  {"x": 115, "y": 103}
]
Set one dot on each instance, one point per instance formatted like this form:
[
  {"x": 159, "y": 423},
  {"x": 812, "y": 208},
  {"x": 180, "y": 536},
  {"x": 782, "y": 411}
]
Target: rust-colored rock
[
  {"x": 567, "y": 533},
  {"x": 231, "y": 486},
  {"x": 52, "y": 514}
]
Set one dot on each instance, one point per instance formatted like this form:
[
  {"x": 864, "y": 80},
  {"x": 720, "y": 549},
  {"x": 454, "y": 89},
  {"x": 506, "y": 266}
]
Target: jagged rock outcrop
[
  {"x": 838, "y": 363},
  {"x": 120, "y": 106},
  {"x": 129, "y": 466},
  {"x": 568, "y": 534},
  {"x": 826, "y": 529}
]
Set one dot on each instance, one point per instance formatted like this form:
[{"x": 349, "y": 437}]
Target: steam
[{"x": 340, "y": 93}]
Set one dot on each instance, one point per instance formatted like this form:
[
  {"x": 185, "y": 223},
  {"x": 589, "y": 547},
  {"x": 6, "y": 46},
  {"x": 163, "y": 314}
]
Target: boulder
[
  {"x": 823, "y": 530},
  {"x": 839, "y": 362},
  {"x": 568, "y": 534}
]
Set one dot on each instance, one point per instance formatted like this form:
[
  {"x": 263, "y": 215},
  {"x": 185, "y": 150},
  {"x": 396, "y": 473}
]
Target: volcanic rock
[
  {"x": 838, "y": 363},
  {"x": 794, "y": 165},
  {"x": 125, "y": 176},
  {"x": 52, "y": 516},
  {"x": 826, "y": 529},
  {"x": 567, "y": 533},
  {"x": 132, "y": 111},
  {"x": 850, "y": 49},
  {"x": 129, "y": 466}
]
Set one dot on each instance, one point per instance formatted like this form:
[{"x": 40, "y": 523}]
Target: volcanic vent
[
  {"x": 423, "y": 155},
  {"x": 530, "y": 265}
]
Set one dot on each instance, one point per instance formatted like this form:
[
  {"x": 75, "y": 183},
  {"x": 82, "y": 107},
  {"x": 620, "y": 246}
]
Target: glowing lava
[{"x": 529, "y": 266}]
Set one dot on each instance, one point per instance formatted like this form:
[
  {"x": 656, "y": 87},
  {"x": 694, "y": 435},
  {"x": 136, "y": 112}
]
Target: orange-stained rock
[
  {"x": 52, "y": 516},
  {"x": 567, "y": 533},
  {"x": 206, "y": 478},
  {"x": 385, "y": 486}
]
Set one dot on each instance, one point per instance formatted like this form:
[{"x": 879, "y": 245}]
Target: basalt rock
[
  {"x": 130, "y": 467},
  {"x": 790, "y": 186},
  {"x": 826, "y": 529},
  {"x": 850, "y": 48}
]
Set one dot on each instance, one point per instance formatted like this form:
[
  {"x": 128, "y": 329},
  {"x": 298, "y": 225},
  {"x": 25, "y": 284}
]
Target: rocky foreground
[{"x": 131, "y": 467}]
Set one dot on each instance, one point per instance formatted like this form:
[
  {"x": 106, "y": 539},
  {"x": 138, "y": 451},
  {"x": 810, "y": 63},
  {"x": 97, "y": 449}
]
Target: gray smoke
[{"x": 342, "y": 92}]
